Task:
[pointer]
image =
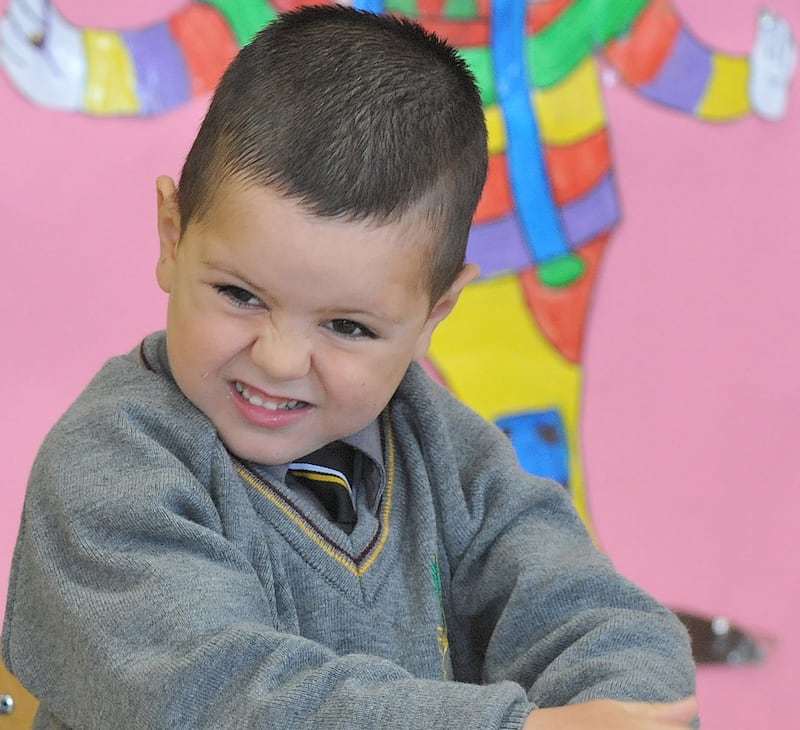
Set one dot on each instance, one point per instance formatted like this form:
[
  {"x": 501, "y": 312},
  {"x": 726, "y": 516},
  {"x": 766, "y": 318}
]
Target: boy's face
[{"x": 287, "y": 330}]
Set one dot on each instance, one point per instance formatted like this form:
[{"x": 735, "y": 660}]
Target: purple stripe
[
  {"x": 498, "y": 246},
  {"x": 593, "y": 214},
  {"x": 162, "y": 79},
  {"x": 684, "y": 76}
]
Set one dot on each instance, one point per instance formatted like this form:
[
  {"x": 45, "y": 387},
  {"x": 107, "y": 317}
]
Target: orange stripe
[
  {"x": 208, "y": 45},
  {"x": 640, "y": 56},
  {"x": 460, "y": 33},
  {"x": 561, "y": 313},
  {"x": 497, "y": 199},
  {"x": 540, "y": 15},
  {"x": 430, "y": 7},
  {"x": 284, "y": 6},
  {"x": 576, "y": 169}
]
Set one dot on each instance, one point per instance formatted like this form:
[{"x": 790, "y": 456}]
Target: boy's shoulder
[
  {"x": 423, "y": 393},
  {"x": 132, "y": 400},
  {"x": 138, "y": 382},
  {"x": 458, "y": 446},
  {"x": 437, "y": 413}
]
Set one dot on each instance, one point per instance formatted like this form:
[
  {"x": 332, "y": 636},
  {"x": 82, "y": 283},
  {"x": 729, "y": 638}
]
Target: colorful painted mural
[
  {"x": 556, "y": 78},
  {"x": 551, "y": 203}
]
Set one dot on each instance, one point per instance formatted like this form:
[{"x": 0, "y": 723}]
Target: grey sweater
[{"x": 157, "y": 582}]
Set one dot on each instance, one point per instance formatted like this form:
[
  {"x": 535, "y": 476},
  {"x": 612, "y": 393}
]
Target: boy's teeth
[{"x": 256, "y": 400}]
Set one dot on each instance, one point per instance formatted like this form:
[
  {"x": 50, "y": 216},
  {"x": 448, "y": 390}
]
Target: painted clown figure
[{"x": 512, "y": 349}]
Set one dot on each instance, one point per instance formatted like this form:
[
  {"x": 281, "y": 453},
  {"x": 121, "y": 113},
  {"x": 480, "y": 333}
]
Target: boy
[{"x": 269, "y": 516}]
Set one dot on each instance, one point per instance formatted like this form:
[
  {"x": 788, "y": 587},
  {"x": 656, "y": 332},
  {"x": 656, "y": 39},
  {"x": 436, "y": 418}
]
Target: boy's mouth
[{"x": 269, "y": 404}]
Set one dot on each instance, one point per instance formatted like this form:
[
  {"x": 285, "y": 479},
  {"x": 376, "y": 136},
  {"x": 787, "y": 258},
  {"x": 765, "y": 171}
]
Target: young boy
[{"x": 269, "y": 516}]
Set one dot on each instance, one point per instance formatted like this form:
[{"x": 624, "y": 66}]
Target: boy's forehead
[
  {"x": 265, "y": 218},
  {"x": 231, "y": 198}
]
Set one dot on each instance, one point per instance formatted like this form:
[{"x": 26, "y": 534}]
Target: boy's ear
[
  {"x": 443, "y": 307},
  {"x": 169, "y": 230}
]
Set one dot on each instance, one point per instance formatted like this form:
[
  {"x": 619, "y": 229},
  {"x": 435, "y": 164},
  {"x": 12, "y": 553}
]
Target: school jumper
[{"x": 158, "y": 582}]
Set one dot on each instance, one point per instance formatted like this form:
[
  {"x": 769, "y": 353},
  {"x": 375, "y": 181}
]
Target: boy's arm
[
  {"x": 128, "y": 607},
  {"x": 532, "y": 600}
]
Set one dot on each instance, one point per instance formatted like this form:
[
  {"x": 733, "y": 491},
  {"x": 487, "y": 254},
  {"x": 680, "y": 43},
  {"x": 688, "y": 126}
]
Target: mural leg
[
  {"x": 511, "y": 349},
  {"x": 493, "y": 355}
]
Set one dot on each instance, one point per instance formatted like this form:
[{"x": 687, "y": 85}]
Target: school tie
[{"x": 331, "y": 488}]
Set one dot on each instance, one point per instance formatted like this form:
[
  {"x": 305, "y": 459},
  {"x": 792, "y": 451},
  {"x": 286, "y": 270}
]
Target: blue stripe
[
  {"x": 536, "y": 208},
  {"x": 373, "y": 6}
]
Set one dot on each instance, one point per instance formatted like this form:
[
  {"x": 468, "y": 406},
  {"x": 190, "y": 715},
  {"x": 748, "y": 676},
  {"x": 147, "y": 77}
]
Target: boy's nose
[{"x": 281, "y": 354}]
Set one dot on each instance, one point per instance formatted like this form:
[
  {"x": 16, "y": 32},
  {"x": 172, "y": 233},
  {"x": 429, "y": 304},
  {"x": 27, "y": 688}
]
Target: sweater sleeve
[
  {"x": 531, "y": 598},
  {"x": 129, "y": 607}
]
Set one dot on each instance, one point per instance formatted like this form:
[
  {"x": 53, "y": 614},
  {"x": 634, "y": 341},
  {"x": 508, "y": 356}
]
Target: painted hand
[
  {"x": 43, "y": 54},
  {"x": 772, "y": 65}
]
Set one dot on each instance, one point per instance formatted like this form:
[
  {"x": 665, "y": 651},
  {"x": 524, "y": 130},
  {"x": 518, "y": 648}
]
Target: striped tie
[{"x": 331, "y": 488}]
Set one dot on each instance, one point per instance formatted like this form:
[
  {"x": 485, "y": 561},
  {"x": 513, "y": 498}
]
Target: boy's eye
[
  {"x": 240, "y": 297},
  {"x": 349, "y": 328}
]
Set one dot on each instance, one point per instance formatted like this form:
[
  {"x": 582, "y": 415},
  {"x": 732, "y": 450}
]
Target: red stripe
[
  {"x": 459, "y": 33},
  {"x": 640, "y": 56},
  {"x": 207, "y": 42},
  {"x": 577, "y": 168},
  {"x": 497, "y": 199},
  {"x": 430, "y": 7},
  {"x": 540, "y": 15}
]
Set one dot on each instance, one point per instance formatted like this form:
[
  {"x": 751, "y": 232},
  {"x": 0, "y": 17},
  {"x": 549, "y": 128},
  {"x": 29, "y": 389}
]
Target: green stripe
[
  {"x": 461, "y": 9},
  {"x": 480, "y": 63},
  {"x": 433, "y": 566},
  {"x": 587, "y": 24},
  {"x": 245, "y": 17},
  {"x": 403, "y": 7}
]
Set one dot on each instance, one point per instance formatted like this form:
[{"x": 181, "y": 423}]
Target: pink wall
[
  {"x": 692, "y": 391},
  {"x": 691, "y": 395}
]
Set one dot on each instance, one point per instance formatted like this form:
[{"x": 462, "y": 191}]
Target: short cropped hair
[{"x": 354, "y": 115}]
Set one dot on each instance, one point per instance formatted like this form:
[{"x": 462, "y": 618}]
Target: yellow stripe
[
  {"x": 316, "y": 476},
  {"x": 726, "y": 96},
  {"x": 496, "y": 128},
  {"x": 111, "y": 86},
  {"x": 572, "y": 110},
  {"x": 301, "y": 523},
  {"x": 387, "y": 503},
  {"x": 315, "y": 537}
]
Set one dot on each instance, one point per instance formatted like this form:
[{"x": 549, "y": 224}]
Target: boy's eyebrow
[
  {"x": 211, "y": 264},
  {"x": 355, "y": 311}
]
